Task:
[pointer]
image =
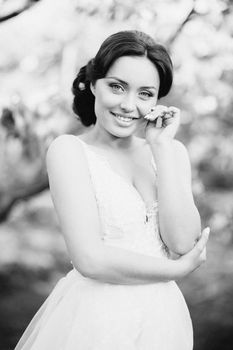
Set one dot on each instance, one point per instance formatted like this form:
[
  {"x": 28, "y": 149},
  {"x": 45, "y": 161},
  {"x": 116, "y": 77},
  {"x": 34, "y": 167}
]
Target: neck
[{"x": 103, "y": 139}]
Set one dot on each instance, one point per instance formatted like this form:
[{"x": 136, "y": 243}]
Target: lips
[{"x": 123, "y": 117}]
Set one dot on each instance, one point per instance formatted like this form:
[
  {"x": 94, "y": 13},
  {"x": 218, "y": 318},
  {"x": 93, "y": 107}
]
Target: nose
[{"x": 128, "y": 103}]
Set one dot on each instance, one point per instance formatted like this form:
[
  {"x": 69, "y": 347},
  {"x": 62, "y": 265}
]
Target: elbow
[
  {"x": 184, "y": 244},
  {"x": 182, "y": 248},
  {"x": 89, "y": 265}
]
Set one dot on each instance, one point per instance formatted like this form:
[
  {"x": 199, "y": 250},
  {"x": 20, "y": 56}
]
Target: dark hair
[{"x": 124, "y": 43}]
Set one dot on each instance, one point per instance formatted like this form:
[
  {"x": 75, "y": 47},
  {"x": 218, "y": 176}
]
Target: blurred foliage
[{"x": 42, "y": 48}]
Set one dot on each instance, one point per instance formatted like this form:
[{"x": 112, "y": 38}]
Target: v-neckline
[{"x": 149, "y": 207}]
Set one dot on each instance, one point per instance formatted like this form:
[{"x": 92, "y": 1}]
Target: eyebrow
[{"x": 125, "y": 83}]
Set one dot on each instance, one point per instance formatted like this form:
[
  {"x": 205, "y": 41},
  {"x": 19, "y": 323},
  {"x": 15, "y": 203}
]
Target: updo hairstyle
[{"x": 124, "y": 43}]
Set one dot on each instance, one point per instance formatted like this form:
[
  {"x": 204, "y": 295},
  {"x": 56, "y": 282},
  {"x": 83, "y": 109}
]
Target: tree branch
[
  {"x": 189, "y": 17},
  {"x": 22, "y": 194},
  {"x": 19, "y": 11}
]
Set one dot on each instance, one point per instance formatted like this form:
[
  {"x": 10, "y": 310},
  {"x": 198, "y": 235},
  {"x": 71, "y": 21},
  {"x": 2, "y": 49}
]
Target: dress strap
[
  {"x": 82, "y": 142},
  {"x": 153, "y": 164}
]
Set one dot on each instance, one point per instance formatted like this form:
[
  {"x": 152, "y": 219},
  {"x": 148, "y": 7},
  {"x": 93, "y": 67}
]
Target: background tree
[{"x": 42, "y": 48}]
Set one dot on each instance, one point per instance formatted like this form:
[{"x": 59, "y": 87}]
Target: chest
[{"x": 138, "y": 171}]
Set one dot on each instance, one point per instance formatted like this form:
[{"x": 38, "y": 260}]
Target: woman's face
[{"x": 125, "y": 95}]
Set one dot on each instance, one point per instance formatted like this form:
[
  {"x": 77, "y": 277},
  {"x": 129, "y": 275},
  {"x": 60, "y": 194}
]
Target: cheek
[
  {"x": 107, "y": 100},
  {"x": 145, "y": 106}
]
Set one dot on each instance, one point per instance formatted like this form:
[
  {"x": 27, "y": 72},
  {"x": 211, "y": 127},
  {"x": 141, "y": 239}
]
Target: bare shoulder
[
  {"x": 66, "y": 160},
  {"x": 64, "y": 149},
  {"x": 63, "y": 143}
]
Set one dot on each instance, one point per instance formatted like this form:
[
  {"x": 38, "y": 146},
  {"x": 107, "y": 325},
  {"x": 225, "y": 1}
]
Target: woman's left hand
[{"x": 162, "y": 124}]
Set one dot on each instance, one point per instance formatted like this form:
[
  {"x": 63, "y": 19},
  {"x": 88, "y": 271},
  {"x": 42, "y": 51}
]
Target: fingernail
[{"x": 207, "y": 230}]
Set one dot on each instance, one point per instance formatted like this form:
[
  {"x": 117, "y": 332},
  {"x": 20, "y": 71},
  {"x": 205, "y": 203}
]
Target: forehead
[{"x": 137, "y": 70}]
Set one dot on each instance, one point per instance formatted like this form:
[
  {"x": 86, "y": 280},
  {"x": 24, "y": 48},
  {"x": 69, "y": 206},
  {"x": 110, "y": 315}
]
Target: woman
[{"x": 126, "y": 210}]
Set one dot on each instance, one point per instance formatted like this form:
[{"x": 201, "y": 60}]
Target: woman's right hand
[{"x": 195, "y": 257}]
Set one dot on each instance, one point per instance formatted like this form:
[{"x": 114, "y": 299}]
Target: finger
[
  {"x": 173, "y": 110},
  {"x": 168, "y": 119},
  {"x": 172, "y": 117},
  {"x": 168, "y": 115},
  {"x": 203, "y": 255},
  {"x": 159, "y": 122},
  {"x": 174, "y": 113},
  {"x": 203, "y": 239},
  {"x": 205, "y": 233}
]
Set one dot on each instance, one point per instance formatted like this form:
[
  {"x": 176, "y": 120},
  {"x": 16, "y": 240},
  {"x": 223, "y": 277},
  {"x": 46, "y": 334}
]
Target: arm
[
  {"x": 179, "y": 219},
  {"x": 75, "y": 204}
]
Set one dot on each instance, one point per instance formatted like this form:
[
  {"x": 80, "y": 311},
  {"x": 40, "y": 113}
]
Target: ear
[{"x": 92, "y": 87}]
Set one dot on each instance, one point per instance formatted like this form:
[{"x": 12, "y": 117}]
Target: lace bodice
[{"x": 126, "y": 221}]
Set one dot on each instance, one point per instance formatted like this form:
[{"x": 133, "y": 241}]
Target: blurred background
[{"x": 43, "y": 44}]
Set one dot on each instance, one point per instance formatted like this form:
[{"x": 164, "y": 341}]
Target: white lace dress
[{"x": 85, "y": 314}]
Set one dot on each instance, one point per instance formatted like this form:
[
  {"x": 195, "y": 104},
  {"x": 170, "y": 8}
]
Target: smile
[{"x": 123, "y": 118}]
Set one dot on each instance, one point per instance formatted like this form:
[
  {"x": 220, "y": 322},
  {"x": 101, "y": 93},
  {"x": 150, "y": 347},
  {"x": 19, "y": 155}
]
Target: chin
[{"x": 122, "y": 132}]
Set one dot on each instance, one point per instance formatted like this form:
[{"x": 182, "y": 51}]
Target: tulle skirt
[{"x": 84, "y": 314}]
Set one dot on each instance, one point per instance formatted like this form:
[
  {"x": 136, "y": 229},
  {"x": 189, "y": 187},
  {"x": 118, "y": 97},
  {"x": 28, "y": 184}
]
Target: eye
[
  {"x": 116, "y": 87},
  {"x": 146, "y": 94}
]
